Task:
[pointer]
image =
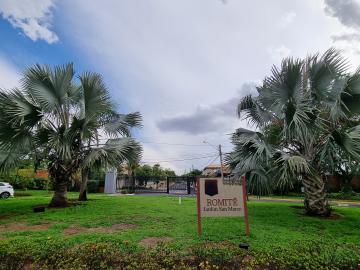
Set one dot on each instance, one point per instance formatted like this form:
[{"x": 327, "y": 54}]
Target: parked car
[{"x": 6, "y": 190}]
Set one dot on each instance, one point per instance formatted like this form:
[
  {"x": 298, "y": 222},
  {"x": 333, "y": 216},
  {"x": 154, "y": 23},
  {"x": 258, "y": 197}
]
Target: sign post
[
  {"x": 217, "y": 197},
  {"x": 198, "y": 206},
  {"x": 246, "y": 217}
]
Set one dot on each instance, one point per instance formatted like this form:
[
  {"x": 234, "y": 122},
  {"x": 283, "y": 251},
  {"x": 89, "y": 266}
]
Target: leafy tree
[
  {"x": 193, "y": 173},
  {"x": 57, "y": 119},
  {"x": 131, "y": 168},
  {"x": 169, "y": 172},
  {"x": 302, "y": 114},
  {"x": 147, "y": 172}
]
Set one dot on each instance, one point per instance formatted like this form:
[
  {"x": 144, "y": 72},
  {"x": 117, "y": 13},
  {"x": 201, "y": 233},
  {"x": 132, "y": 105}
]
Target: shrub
[
  {"x": 127, "y": 191},
  {"x": 93, "y": 186},
  {"x": 21, "y": 182},
  {"x": 342, "y": 195},
  {"x": 41, "y": 183},
  {"x": 58, "y": 255}
]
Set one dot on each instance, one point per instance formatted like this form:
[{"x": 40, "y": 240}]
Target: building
[{"x": 214, "y": 170}]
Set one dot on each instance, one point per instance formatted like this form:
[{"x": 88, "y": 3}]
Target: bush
[
  {"x": 127, "y": 191},
  {"x": 41, "y": 183},
  {"x": 93, "y": 186},
  {"x": 20, "y": 182},
  {"x": 342, "y": 195},
  {"x": 208, "y": 255}
]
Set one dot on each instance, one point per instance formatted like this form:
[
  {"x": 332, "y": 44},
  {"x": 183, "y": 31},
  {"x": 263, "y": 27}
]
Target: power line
[
  {"x": 176, "y": 144},
  {"x": 210, "y": 161},
  {"x": 188, "y": 155},
  {"x": 184, "y": 158},
  {"x": 168, "y": 143},
  {"x": 176, "y": 160}
]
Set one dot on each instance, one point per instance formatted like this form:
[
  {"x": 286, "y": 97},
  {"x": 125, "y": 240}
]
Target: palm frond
[
  {"x": 250, "y": 152},
  {"x": 349, "y": 141},
  {"x": 350, "y": 97},
  {"x": 113, "y": 153},
  {"x": 251, "y": 110},
  {"x": 287, "y": 168},
  {"x": 96, "y": 99},
  {"x": 259, "y": 182},
  {"x": 9, "y": 159},
  {"x": 120, "y": 124},
  {"x": 48, "y": 88}
]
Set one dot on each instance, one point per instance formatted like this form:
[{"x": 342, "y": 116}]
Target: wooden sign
[{"x": 217, "y": 197}]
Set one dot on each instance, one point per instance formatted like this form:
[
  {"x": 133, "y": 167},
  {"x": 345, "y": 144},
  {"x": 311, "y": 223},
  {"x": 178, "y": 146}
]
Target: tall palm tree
[
  {"x": 302, "y": 115},
  {"x": 54, "y": 118},
  {"x": 99, "y": 116}
]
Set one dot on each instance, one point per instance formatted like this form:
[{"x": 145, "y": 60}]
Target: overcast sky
[{"x": 183, "y": 64}]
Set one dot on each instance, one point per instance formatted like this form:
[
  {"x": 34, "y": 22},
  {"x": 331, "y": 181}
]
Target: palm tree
[
  {"x": 301, "y": 114},
  {"x": 54, "y": 118},
  {"x": 99, "y": 115}
]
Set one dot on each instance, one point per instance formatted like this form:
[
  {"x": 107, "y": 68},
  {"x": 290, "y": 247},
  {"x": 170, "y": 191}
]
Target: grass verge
[{"x": 111, "y": 228}]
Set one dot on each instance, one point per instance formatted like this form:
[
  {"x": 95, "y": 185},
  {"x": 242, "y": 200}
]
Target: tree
[
  {"x": 131, "y": 168},
  {"x": 146, "y": 172},
  {"x": 301, "y": 115},
  {"x": 193, "y": 173},
  {"x": 56, "y": 119}
]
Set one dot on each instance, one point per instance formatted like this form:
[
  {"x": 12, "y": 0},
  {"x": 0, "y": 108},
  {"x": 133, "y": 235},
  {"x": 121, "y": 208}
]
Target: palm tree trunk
[
  {"x": 60, "y": 173},
  {"x": 316, "y": 203},
  {"x": 59, "y": 198},
  {"x": 132, "y": 181},
  {"x": 83, "y": 185}
]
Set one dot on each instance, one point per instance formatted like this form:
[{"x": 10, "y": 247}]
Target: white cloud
[
  {"x": 9, "y": 75},
  {"x": 287, "y": 19},
  {"x": 32, "y": 17},
  {"x": 346, "y": 11},
  {"x": 279, "y": 53},
  {"x": 216, "y": 118},
  {"x": 184, "y": 58}
]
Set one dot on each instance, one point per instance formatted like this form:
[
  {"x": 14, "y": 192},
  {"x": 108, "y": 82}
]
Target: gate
[
  {"x": 151, "y": 184},
  {"x": 170, "y": 185},
  {"x": 181, "y": 185}
]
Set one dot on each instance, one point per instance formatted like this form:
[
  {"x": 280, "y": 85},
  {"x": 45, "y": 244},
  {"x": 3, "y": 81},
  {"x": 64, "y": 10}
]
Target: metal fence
[{"x": 170, "y": 185}]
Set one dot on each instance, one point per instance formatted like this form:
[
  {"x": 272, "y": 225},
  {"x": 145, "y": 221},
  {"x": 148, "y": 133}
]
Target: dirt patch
[
  {"x": 333, "y": 216},
  {"x": 30, "y": 266},
  {"x": 114, "y": 228},
  {"x": 7, "y": 216},
  {"x": 151, "y": 242},
  {"x": 13, "y": 227}
]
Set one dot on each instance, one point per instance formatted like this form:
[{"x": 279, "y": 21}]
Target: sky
[{"x": 183, "y": 64}]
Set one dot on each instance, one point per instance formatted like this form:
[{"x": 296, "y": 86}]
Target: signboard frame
[{"x": 244, "y": 192}]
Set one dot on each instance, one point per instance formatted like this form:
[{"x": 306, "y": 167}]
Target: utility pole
[
  {"x": 220, "y": 154},
  {"x": 221, "y": 162}
]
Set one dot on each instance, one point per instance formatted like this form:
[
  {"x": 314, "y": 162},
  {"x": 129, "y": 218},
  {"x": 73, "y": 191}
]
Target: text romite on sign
[{"x": 217, "y": 197}]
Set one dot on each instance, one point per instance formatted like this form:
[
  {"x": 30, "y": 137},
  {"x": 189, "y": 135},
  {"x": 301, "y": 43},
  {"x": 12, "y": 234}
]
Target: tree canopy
[
  {"x": 56, "y": 118},
  {"x": 305, "y": 119}
]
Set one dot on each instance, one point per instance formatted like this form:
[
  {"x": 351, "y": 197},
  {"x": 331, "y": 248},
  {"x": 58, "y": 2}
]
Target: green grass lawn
[{"x": 273, "y": 225}]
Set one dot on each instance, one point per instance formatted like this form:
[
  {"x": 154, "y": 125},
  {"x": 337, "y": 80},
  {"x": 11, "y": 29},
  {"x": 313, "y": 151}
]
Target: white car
[{"x": 6, "y": 190}]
